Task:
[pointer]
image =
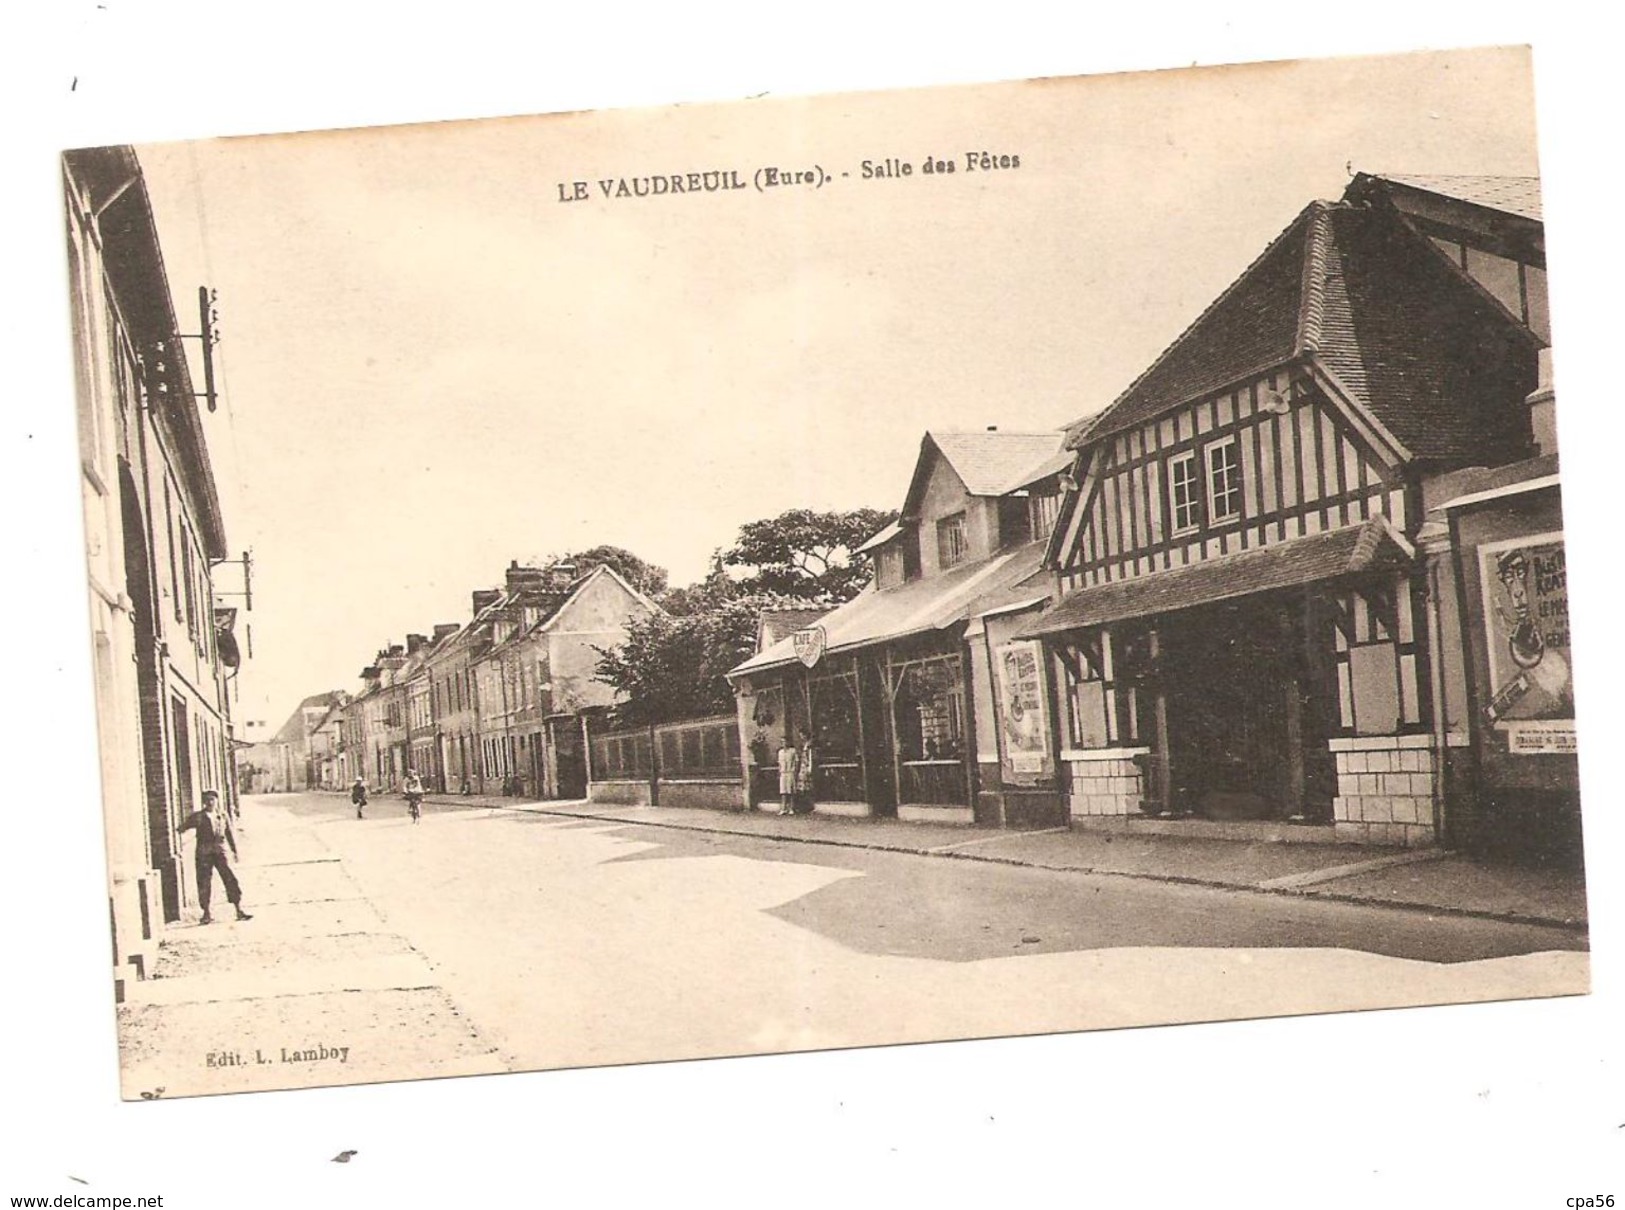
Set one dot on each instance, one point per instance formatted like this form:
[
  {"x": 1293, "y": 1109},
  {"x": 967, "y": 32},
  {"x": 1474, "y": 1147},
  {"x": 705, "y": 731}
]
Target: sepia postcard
[{"x": 621, "y": 586}]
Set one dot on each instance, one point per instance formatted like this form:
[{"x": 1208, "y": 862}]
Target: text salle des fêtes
[{"x": 723, "y": 180}]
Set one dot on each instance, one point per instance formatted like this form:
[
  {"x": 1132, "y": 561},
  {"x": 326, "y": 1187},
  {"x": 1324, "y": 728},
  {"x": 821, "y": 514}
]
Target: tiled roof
[
  {"x": 293, "y": 730},
  {"x": 1518, "y": 195},
  {"x": 988, "y": 460},
  {"x": 1361, "y": 293},
  {"x": 1322, "y": 556},
  {"x": 878, "y": 616},
  {"x": 782, "y": 621}
]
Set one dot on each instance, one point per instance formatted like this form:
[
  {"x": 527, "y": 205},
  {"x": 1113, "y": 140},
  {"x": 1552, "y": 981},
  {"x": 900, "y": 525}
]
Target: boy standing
[{"x": 214, "y": 837}]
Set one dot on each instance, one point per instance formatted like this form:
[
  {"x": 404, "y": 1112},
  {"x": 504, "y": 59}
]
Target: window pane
[{"x": 1224, "y": 481}]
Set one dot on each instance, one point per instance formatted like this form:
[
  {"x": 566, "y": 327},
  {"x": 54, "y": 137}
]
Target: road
[{"x": 568, "y": 942}]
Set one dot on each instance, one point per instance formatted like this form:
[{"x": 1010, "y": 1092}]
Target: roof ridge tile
[{"x": 1312, "y": 297}]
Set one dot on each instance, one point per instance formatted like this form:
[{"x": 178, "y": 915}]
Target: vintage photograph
[{"x": 810, "y": 573}]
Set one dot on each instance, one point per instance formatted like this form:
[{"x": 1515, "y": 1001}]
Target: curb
[{"x": 1304, "y": 886}]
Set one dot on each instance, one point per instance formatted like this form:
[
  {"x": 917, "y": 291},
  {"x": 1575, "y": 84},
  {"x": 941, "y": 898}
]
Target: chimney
[
  {"x": 484, "y": 598},
  {"x": 445, "y": 630},
  {"x": 416, "y": 643},
  {"x": 1543, "y": 407},
  {"x": 562, "y": 575},
  {"x": 520, "y": 578}
]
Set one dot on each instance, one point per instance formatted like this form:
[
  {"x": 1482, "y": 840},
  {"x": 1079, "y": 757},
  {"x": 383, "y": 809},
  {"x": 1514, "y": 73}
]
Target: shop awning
[
  {"x": 1370, "y": 546},
  {"x": 874, "y": 616}
]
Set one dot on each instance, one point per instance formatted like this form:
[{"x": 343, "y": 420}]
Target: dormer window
[{"x": 952, "y": 544}]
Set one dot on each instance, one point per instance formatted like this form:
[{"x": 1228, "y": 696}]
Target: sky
[{"x": 432, "y": 365}]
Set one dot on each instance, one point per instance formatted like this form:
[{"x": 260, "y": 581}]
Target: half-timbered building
[{"x": 1243, "y": 628}]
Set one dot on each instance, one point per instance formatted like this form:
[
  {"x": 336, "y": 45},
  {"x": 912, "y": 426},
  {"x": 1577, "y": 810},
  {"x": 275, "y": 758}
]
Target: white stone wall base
[
  {"x": 1385, "y": 789},
  {"x": 1104, "y": 785},
  {"x": 930, "y": 814},
  {"x": 850, "y": 810}
]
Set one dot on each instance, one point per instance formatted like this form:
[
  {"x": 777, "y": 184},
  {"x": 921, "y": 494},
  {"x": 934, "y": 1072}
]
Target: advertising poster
[
  {"x": 1021, "y": 706},
  {"x": 1526, "y": 621}
]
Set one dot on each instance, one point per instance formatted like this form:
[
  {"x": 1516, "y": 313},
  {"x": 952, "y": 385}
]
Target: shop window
[
  {"x": 766, "y": 716},
  {"x": 930, "y": 712},
  {"x": 1184, "y": 496},
  {"x": 836, "y": 734},
  {"x": 1223, "y": 481},
  {"x": 952, "y": 543}
]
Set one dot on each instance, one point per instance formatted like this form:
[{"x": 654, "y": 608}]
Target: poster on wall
[
  {"x": 1021, "y": 706},
  {"x": 1526, "y": 622}
]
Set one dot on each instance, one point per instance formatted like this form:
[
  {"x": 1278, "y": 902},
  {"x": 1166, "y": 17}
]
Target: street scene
[
  {"x": 366, "y": 953},
  {"x": 625, "y": 587}
]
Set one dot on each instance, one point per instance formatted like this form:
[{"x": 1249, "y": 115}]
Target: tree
[
  {"x": 807, "y": 554},
  {"x": 674, "y": 666},
  {"x": 647, "y": 578},
  {"x": 718, "y": 588}
]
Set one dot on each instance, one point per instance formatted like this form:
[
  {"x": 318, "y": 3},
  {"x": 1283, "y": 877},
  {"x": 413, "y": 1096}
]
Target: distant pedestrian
[
  {"x": 803, "y": 803},
  {"x": 358, "y": 795},
  {"x": 789, "y": 757},
  {"x": 214, "y": 837},
  {"x": 413, "y": 789}
]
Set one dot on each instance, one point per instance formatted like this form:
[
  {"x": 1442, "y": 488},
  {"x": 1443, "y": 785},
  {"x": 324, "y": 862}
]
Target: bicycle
[{"x": 414, "y": 806}]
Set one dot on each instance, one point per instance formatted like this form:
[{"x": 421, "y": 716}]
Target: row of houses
[
  {"x": 1303, "y": 578},
  {"x": 164, "y": 647},
  {"x": 496, "y": 705}
]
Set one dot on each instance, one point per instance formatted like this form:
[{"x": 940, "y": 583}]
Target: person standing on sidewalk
[
  {"x": 789, "y": 756},
  {"x": 214, "y": 837}
]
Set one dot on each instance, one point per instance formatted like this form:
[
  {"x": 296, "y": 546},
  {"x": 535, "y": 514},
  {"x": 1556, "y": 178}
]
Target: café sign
[{"x": 809, "y": 644}]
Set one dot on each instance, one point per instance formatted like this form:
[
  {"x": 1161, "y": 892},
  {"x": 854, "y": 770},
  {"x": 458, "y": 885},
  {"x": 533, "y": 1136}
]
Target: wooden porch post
[
  {"x": 1161, "y": 757},
  {"x": 1295, "y": 778},
  {"x": 896, "y": 752}
]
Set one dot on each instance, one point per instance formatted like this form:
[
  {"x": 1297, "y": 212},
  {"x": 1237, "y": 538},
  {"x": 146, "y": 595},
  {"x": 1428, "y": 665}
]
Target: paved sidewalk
[
  {"x": 314, "y": 990},
  {"x": 1431, "y": 880}
]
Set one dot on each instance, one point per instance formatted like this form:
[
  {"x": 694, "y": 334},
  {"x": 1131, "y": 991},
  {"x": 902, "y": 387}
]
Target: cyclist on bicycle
[{"x": 413, "y": 789}]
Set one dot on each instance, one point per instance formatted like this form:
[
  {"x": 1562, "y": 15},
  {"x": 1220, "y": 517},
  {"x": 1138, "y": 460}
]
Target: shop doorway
[{"x": 1243, "y": 712}]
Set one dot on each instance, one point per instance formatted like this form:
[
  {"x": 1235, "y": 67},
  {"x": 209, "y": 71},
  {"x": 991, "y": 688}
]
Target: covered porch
[
  {"x": 881, "y": 686},
  {"x": 1283, "y": 686}
]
